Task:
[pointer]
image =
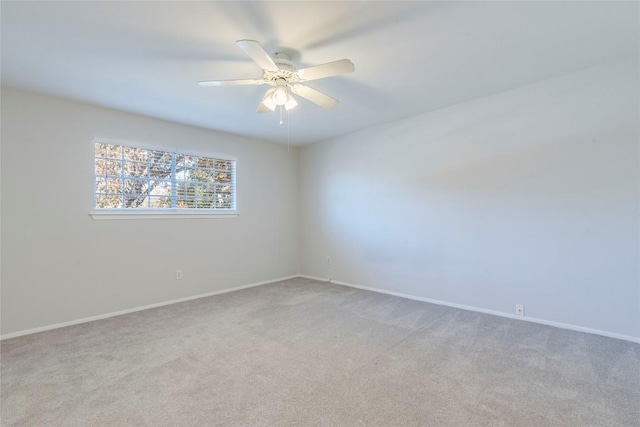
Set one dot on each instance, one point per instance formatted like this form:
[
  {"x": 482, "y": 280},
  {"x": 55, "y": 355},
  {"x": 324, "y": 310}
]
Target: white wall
[
  {"x": 59, "y": 265},
  {"x": 529, "y": 196}
]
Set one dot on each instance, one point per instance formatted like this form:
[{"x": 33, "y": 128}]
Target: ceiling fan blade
[
  {"x": 232, "y": 82},
  {"x": 314, "y": 96},
  {"x": 329, "y": 69},
  {"x": 258, "y": 54}
]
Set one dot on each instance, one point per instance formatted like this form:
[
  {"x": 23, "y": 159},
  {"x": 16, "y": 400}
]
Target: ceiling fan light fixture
[
  {"x": 268, "y": 100},
  {"x": 280, "y": 95},
  {"x": 270, "y": 103},
  {"x": 291, "y": 103}
]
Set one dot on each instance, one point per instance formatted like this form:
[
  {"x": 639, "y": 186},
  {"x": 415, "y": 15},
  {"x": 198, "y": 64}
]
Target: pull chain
[
  {"x": 288, "y": 133},
  {"x": 288, "y": 128}
]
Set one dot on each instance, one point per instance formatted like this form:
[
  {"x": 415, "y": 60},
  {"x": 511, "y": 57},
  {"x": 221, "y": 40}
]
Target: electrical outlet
[
  {"x": 519, "y": 309},
  {"x": 328, "y": 260},
  {"x": 178, "y": 274}
]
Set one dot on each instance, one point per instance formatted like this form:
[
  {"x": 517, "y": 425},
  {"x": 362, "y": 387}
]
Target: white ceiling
[{"x": 410, "y": 57}]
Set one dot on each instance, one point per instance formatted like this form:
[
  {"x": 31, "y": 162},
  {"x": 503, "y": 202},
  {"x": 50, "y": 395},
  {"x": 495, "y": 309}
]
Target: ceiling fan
[{"x": 280, "y": 73}]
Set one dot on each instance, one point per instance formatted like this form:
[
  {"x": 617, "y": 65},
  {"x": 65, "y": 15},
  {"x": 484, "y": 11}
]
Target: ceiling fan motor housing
[
  {"x": 283, "y": 62},
  {"x": 286, "y": 71}
]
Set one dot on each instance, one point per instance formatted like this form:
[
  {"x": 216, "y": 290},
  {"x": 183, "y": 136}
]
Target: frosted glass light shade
[{"x": 279, "y": 96}]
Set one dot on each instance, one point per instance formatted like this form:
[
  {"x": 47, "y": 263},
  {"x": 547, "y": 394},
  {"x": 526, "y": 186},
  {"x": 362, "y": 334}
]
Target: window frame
[{"x": 161, "y": 213}]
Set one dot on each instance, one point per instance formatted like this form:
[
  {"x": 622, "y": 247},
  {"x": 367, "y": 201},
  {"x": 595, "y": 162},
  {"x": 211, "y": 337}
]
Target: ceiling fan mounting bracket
[{"x": 283, "y": 62}]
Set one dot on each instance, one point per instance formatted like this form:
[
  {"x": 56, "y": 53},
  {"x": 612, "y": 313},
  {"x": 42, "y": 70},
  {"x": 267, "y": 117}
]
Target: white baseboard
[
  {"x": 336, "y": 282},
  {"x": 321, "y": 279},
  {"x": 132, "y": 310},
  {"x": 482, "y": 310}
]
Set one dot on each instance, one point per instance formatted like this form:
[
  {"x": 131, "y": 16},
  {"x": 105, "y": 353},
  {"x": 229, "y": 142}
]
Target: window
[{"x": 134, "y": 179}]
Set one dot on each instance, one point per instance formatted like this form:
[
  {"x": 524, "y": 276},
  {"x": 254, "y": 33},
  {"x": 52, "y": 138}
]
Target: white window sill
[{"x": 109, "y": 214}]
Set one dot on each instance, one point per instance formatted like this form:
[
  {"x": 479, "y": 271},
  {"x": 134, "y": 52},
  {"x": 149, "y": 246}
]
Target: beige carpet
[{"x": 305, "y": 353}]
